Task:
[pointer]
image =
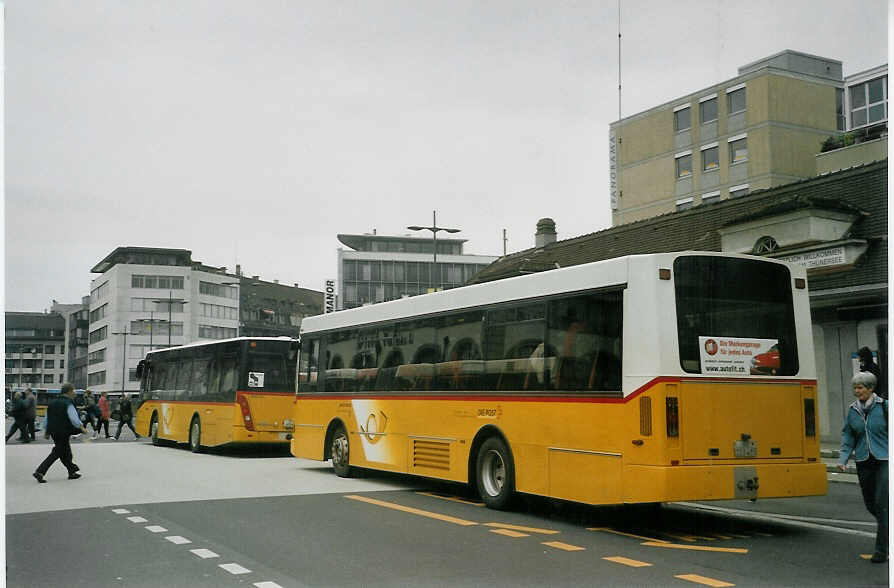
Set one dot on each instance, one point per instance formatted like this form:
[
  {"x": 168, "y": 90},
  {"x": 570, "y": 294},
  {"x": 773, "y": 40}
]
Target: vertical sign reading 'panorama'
[
  {"x": 612, "y": 169},
  {"x": 329, "y": 297}
]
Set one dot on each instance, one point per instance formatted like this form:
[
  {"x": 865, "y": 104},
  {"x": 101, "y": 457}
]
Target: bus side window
[
  {"x": 184, "y": 374},
  {"x": 307, "y": 369},
  {"x": 200, "y": 375},
  {"x": 228, "y": 377},
  {"x": 212, "y": 389}
]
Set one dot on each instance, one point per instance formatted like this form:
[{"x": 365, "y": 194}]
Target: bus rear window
[{"x": 735, "y": 317}]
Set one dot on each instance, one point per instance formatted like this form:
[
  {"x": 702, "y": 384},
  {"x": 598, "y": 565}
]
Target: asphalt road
[{"x": 266, "y": 519}]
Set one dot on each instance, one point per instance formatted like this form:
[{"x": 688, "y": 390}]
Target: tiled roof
[{"x": 862, "y": 189}]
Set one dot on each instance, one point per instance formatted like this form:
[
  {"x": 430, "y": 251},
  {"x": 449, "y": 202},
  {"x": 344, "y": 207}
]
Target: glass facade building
[{"x": 379, "y": 268}]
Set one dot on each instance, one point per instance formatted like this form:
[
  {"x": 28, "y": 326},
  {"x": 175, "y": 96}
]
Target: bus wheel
[
  {"x": 495, "y": 474},
  {"x": 195, "y": 435},
  {"x": 153, "y": 429},
  {"x": 341, "y": 451}
]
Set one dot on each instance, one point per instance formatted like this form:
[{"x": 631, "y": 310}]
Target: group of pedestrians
[{"x": 23, "y": 411}]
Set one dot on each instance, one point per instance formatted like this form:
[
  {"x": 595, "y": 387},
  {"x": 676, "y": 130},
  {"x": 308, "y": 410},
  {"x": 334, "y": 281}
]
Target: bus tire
[
  {"x": 195, "y": 435},
  {"x": 495, "y": 474},
  {"x": 340, "y": 450},
  {"x": 153, "y": 429}
]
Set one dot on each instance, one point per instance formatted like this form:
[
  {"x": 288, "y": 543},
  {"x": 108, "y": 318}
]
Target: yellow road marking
[
  {"x": 695, "y": 547},
  {"x": 451, "y": 498},
  {"x": 627, "y": 562},
  {"x": 866, "y": 555},
  {"x": 563, "y": 546},
  {"x": 719, "y": 536},
  {"x": 524, "y": 529},
  {"x": 509, "y": 533},
  {"x": 736, "y": 535},
  {"x": 689, "y": 538},
  {"x": 607, "y": 530},
  {"x": 415, "y": 511},
  {"x": 703, "y": 580}
]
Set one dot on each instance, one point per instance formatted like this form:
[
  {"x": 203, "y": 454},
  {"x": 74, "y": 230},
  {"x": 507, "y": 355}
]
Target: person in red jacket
[{"x": 105, "y": 413}]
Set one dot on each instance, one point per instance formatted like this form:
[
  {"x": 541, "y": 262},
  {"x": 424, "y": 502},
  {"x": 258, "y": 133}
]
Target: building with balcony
[
  {"x": 271, "y": 309},
  {"x": 378, "y": 268},
  {"x": 35, "y": 350},
  {"x": 76, "y": 332},
  {"x": 760, "y": 129}
]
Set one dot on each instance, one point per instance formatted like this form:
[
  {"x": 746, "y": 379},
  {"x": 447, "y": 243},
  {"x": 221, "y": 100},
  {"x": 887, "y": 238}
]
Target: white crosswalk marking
[
  {"x": 204, "y": 553},
  {"x": 235, "y": 568},
  {"x": 155, "y": 529},
  {"x": 178, "y": 540},
  {"x": 267, "y": 585},
  {"x": 120, "y": 511},
  {"x": 137, "y": 520}
]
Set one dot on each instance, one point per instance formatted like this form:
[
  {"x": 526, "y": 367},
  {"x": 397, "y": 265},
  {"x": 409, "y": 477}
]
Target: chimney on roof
[
  {"x": 296, "y": 284},
  {"x": 254, "y": 277},
  {"x": 546, "y": 232},
  {"x": 238, "y": 270},
  {"x": 276, "y": 281}
]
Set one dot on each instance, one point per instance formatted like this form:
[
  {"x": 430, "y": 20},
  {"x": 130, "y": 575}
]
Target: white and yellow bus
[
  {"x": 650, "y": 378},
  {"x": 218, "y": 393}
]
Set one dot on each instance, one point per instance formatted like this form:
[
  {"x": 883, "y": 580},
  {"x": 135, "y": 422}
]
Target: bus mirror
[{"x": 140, "y": 367}]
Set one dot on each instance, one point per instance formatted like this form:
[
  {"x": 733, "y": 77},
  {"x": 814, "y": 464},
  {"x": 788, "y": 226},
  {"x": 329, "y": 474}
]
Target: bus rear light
[
  {"x": 246, "y": 413},
  {"x": 673, "y": 417},
  {"x": 809, "y": 417}
]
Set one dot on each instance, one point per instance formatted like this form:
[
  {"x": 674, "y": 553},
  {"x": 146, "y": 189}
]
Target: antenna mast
[{"x": 619, "y": 59}]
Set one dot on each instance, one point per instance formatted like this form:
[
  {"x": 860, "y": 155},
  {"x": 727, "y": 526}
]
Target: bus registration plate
[{"x": 745, "y": 448}]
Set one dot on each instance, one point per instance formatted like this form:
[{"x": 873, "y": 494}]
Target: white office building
[{"x": 149, "y": 298}]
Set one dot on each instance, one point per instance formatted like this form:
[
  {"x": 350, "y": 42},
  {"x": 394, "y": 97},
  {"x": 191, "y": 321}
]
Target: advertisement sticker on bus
[
  {"x": 739, "y": 356},
  {"x": 255, "y": 379}
]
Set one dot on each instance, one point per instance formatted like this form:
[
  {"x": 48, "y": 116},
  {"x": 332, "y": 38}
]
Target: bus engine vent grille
[
  {"x": 645, "y": 415},
  {"x": 434, "y": 455}
]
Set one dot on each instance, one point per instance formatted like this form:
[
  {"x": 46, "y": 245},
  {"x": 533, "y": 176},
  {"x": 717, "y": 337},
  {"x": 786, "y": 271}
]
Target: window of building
[
  {"x": 738, "y": 149},
  {"x": 708, "y": 109},
  {"x": 684, "y": 204},
  {"x": 684, "y": 164},
  {"x": 219, "y": 290},
  {"x": 49, "y": 349},
  {"x": 99, "y": 292},
  {"x": 61, "y": 364},
  {"x": 213, "y": 332},
  {"x": 96, "y": 378},
  {"x": 682, "y": 118},
  {"x": 97, "y": 356},
  {"x": 48, "y": 378},
  {"x": 735, "y": 100},
  {"x": 99, "y": 335},
  {"x": 99, "y": 313},
  {"x": 710, "y": 157},
  {"x": 738, "y": 191},
  {"x": 49, "y": 364},
  {"x": 165, "y": 282},
  {"x": 765, "y": 245},
  {"x": 841, "y": 120},
  {"x": 869, "y": 102},
  {"x": 710, "y": 197}
]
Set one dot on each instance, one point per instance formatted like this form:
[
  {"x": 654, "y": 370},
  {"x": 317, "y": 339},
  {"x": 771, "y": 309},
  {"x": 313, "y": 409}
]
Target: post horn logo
[{"x": 374, "y": 429}]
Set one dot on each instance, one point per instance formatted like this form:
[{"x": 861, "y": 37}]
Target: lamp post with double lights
[
  {"x": 152, "y": 320},
  {"x": 124, "y": 360},
  {"x": 434, "y": 228},
  {"x": 170, "y": 300}
]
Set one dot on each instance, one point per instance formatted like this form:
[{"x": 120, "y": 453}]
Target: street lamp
[
  {"x": 434, "y": 228},
  {"x": 152, "y": 320},
  {"x": 170, "y": 300},
  {"x": 124, "y": 360}
]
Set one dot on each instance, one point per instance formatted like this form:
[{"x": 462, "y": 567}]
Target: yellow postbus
[
  {"x": 217, "y": 393},
  {"x": 651, "y": 378}
]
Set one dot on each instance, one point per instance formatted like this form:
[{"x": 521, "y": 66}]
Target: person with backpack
[{"x": 865, "y": 435}]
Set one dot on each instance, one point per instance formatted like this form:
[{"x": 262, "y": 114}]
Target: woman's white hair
[{"x": 865, "y": 379}]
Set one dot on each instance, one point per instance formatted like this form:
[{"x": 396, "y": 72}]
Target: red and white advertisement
[{"x": 738, "y": 356}]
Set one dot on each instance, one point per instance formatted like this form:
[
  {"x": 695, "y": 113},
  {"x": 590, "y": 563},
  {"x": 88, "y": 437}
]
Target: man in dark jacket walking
[
  {"x": 62, "y": 423},
  {"x": 30, "y": 402},
  {"x": 17, "y": 412},
  {"x": 125, "y": 416}
]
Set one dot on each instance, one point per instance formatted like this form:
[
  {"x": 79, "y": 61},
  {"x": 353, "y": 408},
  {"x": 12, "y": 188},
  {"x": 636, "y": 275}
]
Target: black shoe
[
  {"x": 39, "y": 477},
  {"x": 74, "y": 476},
  {"x": 878, "y": 557},
  {"x": 75, "y": 468}
]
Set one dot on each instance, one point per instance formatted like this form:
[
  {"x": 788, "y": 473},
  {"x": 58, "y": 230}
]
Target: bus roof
[
  {"x": 586, "y": 276},
  {"x": 220, "y": 342}
]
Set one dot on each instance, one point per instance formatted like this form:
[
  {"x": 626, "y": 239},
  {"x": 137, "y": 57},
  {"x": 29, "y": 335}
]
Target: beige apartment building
[{"x": 761, "y": 129}]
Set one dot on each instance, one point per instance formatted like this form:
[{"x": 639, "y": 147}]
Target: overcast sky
[{"x": 255, "y": 132}]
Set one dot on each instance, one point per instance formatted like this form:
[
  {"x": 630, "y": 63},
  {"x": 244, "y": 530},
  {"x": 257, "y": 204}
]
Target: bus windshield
[{"x": 742, "y": 304}]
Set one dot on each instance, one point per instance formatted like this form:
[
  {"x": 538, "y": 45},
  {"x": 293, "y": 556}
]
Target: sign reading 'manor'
[{"x": 329, "y": 297}]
